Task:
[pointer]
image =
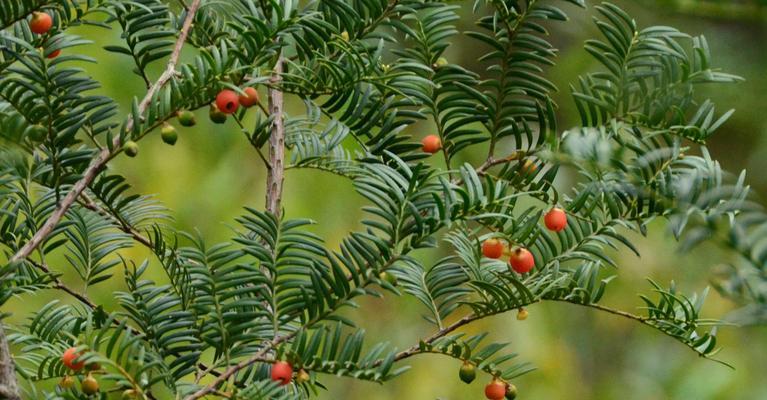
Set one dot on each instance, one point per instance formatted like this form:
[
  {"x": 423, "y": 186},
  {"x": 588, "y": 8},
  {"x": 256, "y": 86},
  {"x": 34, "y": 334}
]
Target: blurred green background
[{"x": 212, "y": 173}]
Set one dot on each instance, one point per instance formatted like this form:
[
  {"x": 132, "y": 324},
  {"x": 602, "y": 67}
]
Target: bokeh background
[{"x": 212, "y": 173}]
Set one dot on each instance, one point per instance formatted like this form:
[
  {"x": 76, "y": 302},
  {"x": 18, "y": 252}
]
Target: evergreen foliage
[{"x": 367, "y": 71}]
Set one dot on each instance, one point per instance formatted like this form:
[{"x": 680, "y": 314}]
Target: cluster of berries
[
  {"x": 495, "y": 390},
  {"x": 521, "y": 259},
  {"x": 227, "y": 102},
  {"x": 89, "y": 385}
]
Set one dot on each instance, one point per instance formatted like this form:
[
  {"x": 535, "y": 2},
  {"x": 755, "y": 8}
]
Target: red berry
[
  {"x": 495, "y": 390},
  {"x": 54, "y": 54},
  {"x": 522, "y": 260},
  {"x": 250, "y": 98},
  {"x": 40, "y": 23},
  {"x": 69, "y": 357},
  {"x": 492, "y": 248},
  {"x": 556, "y": 219},
  {"x": 282, "y": 372},
  {"x": 227, "y": 101},
  {"x": 431, "y": 144}
]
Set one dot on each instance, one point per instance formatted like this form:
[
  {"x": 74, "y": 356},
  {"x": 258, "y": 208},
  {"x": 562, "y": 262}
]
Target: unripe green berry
[
  {"x": 511, "y": 391},
  {"x": 216, "y": 116},
  {"x": 186, "y": 118},
  {"x": 302, "y": 376},
  {"x": 37, "y": 133},
  {"x": 67, "y": 382},
  {"x": 441, "y": 62},
  {"x": 345, "y": 36},
  {"x": 89, "y": 385},
  {"x": 131, "y": 148},
  {"x": 468, "y": 372},
  {"x": 168, "y": 134},
  {"x": 130, "y": 394},
  {"x": 390, "y": 278}
]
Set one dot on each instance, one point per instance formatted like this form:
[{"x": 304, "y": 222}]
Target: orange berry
[
  {"x": 492, "y": 248},
  {"x": 69, "y": 357},
  {"x": 41, "y": 23},
  {"x": 556, "y": 219},
  {"x": 522, "y": 260},
  {"x": 54, "y": 54},
  {"x": 227, "y": 101},
  {"x": 282, "y": 372},
  {"x": 250, "y": 98},
  {"x": 495, "y": 390},
  {"x": 431, "y": 144}
]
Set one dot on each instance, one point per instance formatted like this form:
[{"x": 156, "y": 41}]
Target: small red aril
[
  {"x": 69, "y": 357},
  {"x": 41, "y": 23},
  {"x": 495, "y": 390},
  {"x": 556, "y": 219},
  {"x": 431, "y": 144},
  {"x": 227, "y": 101},
  {"x": 250, "y": 98},
  {"x": 282, "y": 372},
  {"x": 492, "y": 248},
  {"x": 54, "y": 54},
  {"x": 522, "y": 260}
]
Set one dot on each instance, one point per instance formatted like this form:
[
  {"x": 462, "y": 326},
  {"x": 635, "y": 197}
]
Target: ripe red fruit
[
  {"x": 250, "y": 98},
  {"x": 69, "y": 357},
  {"x": 54, "y": 54},
  {"x": 492, "y": 248},
  {"x": 556, "y": 219},
  {"x": 282, "y": 372},
  {"x": 227, "y": 101},
  {"x": 40, "y": 23},
  {"x": 522, "y": 260},
  {"x": 431, "y": 144},
  {"x": 495, "y": 390}
]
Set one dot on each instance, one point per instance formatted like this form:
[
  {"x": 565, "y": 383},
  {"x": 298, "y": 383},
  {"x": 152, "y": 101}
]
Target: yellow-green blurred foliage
[{"x": 212, "y": 173}]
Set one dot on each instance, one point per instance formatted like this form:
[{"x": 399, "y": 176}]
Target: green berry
[
  {"x": 216, "y": 116},
  {"x": 302, "y": 376},
  {"x": 441, "y": 62},
  {"x": 130, "y": 394},
  {"x": 168, "y": 134},
  {"x": 511, "y": 391},
  {"x": 67, "y": 382},
  {"x": 131, "y": 148},
  {"x": 37, "y": 133},
  {"x": 186, "y": 118},
  {"x": 391, "y": 279},
  {"x": 89, "y": 385},
  {"x": 468, "y": 372}
]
